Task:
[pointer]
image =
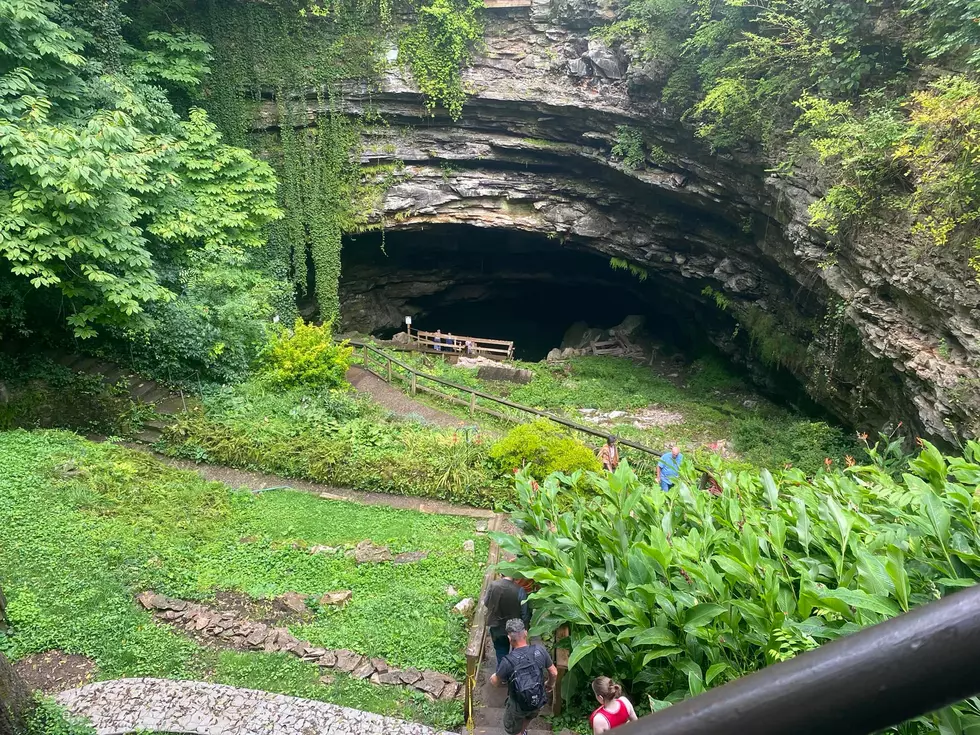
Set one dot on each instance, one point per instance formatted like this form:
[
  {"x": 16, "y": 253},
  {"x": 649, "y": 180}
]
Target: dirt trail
[
  {"x": 263, "y": 481},
  {"x": 397, "y": 402}
]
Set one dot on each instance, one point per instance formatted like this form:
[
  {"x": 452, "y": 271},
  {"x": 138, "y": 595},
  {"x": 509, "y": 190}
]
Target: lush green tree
[{"x": 100, "y": 181}]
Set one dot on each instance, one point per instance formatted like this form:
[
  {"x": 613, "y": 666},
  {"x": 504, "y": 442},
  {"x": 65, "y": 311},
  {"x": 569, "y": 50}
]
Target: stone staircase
[
  {"x": 165, "y": 401},
  {"x": 488, "y": 710}
]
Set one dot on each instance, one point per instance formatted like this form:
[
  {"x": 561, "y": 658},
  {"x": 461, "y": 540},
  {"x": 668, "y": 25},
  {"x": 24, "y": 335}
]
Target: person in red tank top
[{"x": 615, "y": 709}]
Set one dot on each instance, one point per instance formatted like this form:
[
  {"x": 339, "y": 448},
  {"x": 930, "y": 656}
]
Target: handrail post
[
  {"x": 389, "y": 369},
  {"x": 472, "y": 404},
  {"x": 414, "y": 379}
]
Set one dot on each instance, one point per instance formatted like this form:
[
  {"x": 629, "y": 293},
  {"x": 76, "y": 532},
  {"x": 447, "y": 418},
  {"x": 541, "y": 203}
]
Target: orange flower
[
  {"x": 850, "y": 460},
  {"x": 534, "y": 485},
  {"x": 828, "y": 461},
  {"x": 863, "y": 437}
]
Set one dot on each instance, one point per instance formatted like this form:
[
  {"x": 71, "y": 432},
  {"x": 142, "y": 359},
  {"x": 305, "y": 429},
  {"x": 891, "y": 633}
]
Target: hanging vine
[{"x": 291, "y": 52}]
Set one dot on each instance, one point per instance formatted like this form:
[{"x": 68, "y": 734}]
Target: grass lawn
[{"x": 87, "y": 526}]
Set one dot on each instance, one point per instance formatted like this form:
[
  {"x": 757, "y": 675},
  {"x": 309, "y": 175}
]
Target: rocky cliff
[{"x": 875, "y": 331}]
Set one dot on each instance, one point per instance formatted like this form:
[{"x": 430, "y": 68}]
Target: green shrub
[
  {"x": 673, "y": 593},
  {"x": 542, "y": 448},
  {"x": 48, "y": 718},
  {"x": 306, "y": 357}
]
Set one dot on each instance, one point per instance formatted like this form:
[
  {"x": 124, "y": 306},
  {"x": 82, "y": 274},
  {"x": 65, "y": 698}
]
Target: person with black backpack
[{"x": 529, "y": 674}]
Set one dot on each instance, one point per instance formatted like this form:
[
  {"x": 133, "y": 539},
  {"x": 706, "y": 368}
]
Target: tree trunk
[{"x": 16, "y": 701}]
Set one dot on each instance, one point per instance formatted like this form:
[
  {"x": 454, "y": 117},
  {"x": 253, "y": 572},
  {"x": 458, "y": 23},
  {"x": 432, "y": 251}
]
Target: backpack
[{"x": 527, "y": 683}]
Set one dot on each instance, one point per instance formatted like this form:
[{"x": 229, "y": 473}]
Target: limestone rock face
[{"x": 877, "y": 331}]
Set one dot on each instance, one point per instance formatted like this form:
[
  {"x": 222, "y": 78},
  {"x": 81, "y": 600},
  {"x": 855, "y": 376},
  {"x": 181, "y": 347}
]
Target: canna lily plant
[{"x": 675, "y": 592}]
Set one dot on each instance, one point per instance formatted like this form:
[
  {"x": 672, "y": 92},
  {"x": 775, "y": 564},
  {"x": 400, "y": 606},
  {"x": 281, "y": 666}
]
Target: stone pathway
[
  {"x": 226, "y": 629},
  {"x": 161, "y": 705},
  {"x": 397, "y": 402}
]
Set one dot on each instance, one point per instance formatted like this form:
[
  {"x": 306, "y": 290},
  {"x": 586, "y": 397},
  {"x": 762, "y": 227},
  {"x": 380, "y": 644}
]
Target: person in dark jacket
[{"x": 505, "y": 600}]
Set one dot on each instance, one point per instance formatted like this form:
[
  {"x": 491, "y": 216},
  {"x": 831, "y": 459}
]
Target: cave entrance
[{"x": 499, "y": 284}]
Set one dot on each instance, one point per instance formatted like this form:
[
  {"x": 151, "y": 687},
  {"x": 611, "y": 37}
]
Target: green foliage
[
  {"x": 86, "y": 526},
  {"x": 102, "y": 182},
  {"x": 44, "y": 394},
  {"x": 675, "y": 592},
  {"x": 48, "y": 718},
  {"x": 630, "y": 146},
  {"x": 437, "y": 47},
  {"x": 216, "y": 329},
  {"x": 619, "y": 264},
  {"x": 333, "y": 439},
  {"x": 951, "y": 28},
  {"x": 540, "y": 448},
  {"x": 771, "y": 441},
  {"x": 306, "y": 357}
]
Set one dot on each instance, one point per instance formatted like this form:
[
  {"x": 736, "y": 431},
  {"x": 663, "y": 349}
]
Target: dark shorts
[{"x": 514, "y": 717}]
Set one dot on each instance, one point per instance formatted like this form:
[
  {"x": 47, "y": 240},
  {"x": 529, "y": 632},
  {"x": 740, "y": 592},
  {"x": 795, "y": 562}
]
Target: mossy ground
[{"x": 87, "y": 526}]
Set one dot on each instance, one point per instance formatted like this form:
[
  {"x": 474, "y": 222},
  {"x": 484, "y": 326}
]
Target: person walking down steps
[
  {"x": 609, "y": 455},
  {"x": 505, "y": 600},
  {"x": 614, "y": 709},
  {"x": 529, "y": 675}
]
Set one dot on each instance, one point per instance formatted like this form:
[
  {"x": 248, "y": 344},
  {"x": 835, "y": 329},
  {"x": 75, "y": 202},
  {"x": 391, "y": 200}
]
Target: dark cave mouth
[
  {"x": 530, "y": 289},
  {"x": 499, "y": 284}
]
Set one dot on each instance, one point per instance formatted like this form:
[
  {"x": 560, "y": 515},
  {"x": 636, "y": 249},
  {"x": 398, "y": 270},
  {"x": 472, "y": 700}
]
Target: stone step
[
  {"x": 493, "y": 717},
  {"x": 174, "y": 404}
]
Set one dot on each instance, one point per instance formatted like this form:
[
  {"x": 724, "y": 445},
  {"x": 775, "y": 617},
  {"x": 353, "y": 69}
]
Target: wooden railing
[
  {"x": 457, "y": 344},
  {"x": 388, "y": 368},
  {"x": 476, "y": 643}
]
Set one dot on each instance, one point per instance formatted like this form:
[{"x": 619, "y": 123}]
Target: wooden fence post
[
  {"x": 414, "y": 379},
  {"x": 389, "y": 369},
  {"x": 472, "y": 404}
]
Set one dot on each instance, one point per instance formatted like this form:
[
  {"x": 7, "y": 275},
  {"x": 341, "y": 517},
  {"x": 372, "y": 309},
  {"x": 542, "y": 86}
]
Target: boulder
[
  {"x": 327, "y": 660},
  {"x": 505, "y": 373},
  {"x": 363, "y": 671},
  {"x": 380, "y": 665},
  {"x": 367, "y": 552},
  {"x": 432, "y": 682},
  {"x": 469, "y": 546},
  {"x": 604, "y": 60},
  {"x": 452, "y": 591},
  {"x": 630, "y": 326},
  {"x": 336, "y": 599},
  {"x": 554, "y": 355},
  {"x": 465, "y": 606},
  {"x": 402, "y": 338},
  {"x": 293, "y": 602},
  {"x": 391, "y": 678},
  {"x": 348, "y": 661},
  {"x": 410, "y": 676}
]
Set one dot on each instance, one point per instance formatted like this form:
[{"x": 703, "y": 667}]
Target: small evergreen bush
[
  {"x": 306, "y": 357},
  {"x": 542, "y": 448}
]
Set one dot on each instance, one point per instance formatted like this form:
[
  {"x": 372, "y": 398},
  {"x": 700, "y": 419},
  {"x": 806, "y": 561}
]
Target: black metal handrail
[{"x": 856, "y": 685}]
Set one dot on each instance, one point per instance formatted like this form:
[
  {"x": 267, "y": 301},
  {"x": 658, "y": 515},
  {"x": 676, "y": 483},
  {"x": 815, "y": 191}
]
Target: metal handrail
[
  {"x": 486, "y": 396},
  {"x": 878, "y": 677}
]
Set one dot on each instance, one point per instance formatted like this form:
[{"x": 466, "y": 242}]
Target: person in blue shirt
[{"x": 669, "y": 467}]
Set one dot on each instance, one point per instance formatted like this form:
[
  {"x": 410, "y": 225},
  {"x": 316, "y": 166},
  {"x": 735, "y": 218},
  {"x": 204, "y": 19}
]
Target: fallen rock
[
  {"x": 449, "y": 691},
  {"x": 364, "y": 671},
  {"x": 152, "y": 601},
  {"x": 505, "y": 373},
  {"x": 328, "y": 660},
  {"x": 336, "y": 599},
  {"x": 314, "y": 653},
  {"x": 367, "y": 552},
  {"x": 465, "y": 607},
  {"x": 391, "y": 678},
  {"x": 554, "y": 355},
  {"x": 432, "y": 682},
  {"x": 324, "y": 549},
  {"x": 469, "y": 546},
  {"x": 380, "y": 665},
  {"x": 410, "y": 676},
  {"x": 328, "y": 679},
  {"x": 452, "y": 591},
  {"x": 258, "y": 634},
  {"x": 401, "y": 338},
  {"x": 348, "y": 660},
  {"x": 293, "y": 602},
  {"x": 408, "y": 557}
]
